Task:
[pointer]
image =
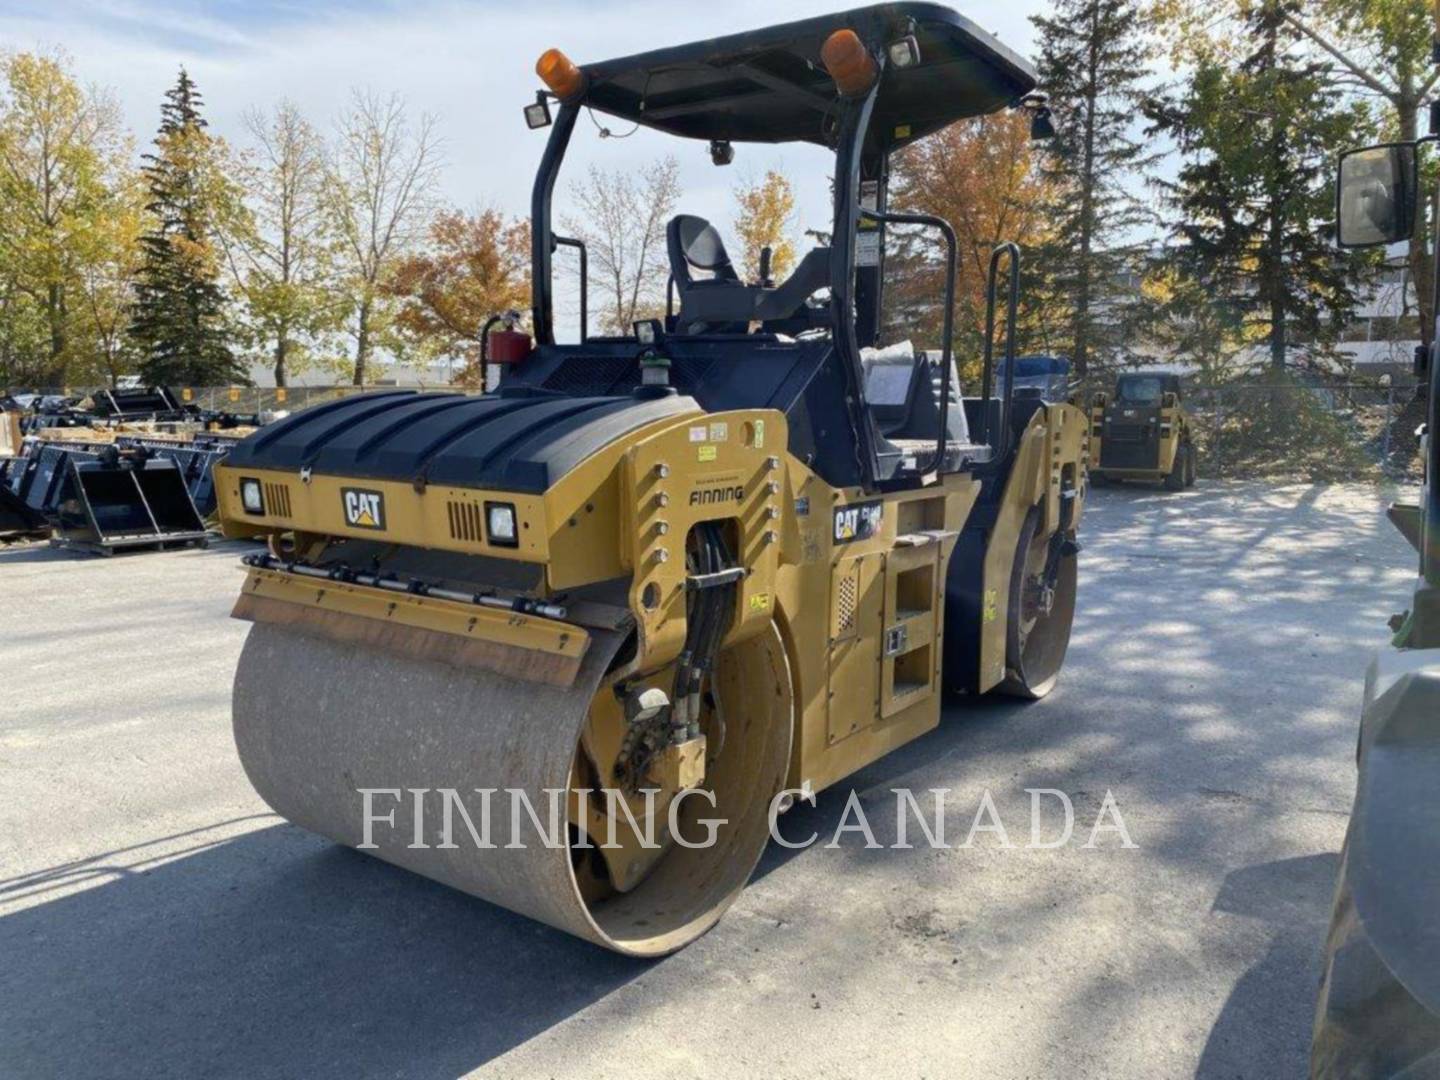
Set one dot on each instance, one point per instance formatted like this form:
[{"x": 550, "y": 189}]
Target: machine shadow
[
  {"x": 1264, "y": 1027},
  {"x": 296, "y": 958},
  {"x": 18, "y": 554},
  {"x": 964, "y": 724}
]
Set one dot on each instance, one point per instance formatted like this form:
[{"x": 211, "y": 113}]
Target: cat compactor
[
  {"x": 1142, "y": 432},
  {"x": 738, "y": 553}
]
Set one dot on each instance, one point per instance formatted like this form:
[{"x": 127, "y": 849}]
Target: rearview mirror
[{"x": 1375, "y": 196}]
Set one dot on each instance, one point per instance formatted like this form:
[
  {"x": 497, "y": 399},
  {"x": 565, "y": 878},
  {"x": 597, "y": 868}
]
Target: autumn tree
[
  {"x": 24, "y": 342},
  {"x": 472, "y": 266},
  {"x": 180, "y": 321},
  {"x": 282, "y": 252},
  {"x": 1376, "y": 50},
  {"x": 984, "y": 177},
  {"x": 1382, "y": 47},
  {"x": 381, "y": 180},
  {"x": 105, "y": 287},
  {"x": 62, "y": 154},
  {"x": 1184, "y": 320},
  {"x": 764, "y": 215},
  {"x": 1092, "y": 64},
  {"x": 1254, "y": 194},
  {"x": 621, "y": 217}
]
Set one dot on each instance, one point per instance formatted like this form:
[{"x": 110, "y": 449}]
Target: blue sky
[{"x": 470, "y": 64}]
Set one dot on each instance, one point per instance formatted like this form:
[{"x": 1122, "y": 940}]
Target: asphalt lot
[{"x": 155, "y": 920}]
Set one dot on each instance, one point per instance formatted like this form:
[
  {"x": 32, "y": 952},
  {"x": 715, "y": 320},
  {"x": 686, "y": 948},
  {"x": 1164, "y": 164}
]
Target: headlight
[
  {"x": 500, "y": 524},
  {"x": 251, "y": 497}
]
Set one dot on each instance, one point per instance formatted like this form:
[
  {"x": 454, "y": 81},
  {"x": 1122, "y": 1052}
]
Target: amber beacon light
[
  {"x": 559, "y": 73},
  {"x": 848, "y": 62}
]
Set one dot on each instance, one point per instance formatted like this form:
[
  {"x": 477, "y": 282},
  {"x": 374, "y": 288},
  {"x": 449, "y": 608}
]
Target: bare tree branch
[
  {"x": 382, "y": 180},
  {"x": 1360, "y": 71}
]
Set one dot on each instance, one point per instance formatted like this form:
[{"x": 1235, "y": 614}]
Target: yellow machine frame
[{"x": 862, "y": 620}]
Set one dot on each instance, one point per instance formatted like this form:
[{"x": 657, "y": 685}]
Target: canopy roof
[{"x": 769, "y": 85}]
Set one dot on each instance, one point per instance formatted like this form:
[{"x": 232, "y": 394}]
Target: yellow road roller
[{"x": 655, "y": 585}]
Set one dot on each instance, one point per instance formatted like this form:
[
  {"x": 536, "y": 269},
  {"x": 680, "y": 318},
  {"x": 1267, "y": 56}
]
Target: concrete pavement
[{"x": 155, "y": 920}]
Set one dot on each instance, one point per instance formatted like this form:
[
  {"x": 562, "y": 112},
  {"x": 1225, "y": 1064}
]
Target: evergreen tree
[
  {"x": 1092, "y": 60},
  {"x": 1259, "y": 137},
  {"x": 179, "y": 324}
]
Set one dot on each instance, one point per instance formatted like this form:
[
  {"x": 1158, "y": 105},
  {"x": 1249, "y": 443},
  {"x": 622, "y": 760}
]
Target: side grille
[
  {"x": 846, "y": 594},
  {"x": 590, "y": 375},
  {"x": 277, "y": 499},
  {"x": 465, "y": 522},
  {"x": 602, "y": 375}
]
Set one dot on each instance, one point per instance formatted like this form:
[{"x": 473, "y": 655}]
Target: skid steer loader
[
  {"x": 1142, "y": 432},
  {"x": 737, "y": 553},
  {"x": 1379, "y": 1008}
]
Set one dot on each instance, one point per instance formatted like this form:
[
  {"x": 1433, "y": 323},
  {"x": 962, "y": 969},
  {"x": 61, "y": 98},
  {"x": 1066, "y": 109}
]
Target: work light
[
  {"x": 647, "y": 331},
  {"x": 500, "y": 524},
  {"x": 251, "y": 497},
  {"x": 538, "y": 114},
  {"x": 905, "y": 53}
]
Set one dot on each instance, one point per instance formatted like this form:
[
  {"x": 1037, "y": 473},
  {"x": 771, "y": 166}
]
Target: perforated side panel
[
  {"x": 606, "y": 375},
  {"x": 589, "y": 375},
  {"x": 847, "y": 591}
]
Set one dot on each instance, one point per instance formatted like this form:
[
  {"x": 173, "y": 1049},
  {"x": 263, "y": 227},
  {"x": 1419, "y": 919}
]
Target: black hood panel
[{"x": 510, "y": 442}]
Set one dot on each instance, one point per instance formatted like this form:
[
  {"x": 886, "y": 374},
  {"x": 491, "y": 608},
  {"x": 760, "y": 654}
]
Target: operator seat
[{"x": 723, "y": 304}]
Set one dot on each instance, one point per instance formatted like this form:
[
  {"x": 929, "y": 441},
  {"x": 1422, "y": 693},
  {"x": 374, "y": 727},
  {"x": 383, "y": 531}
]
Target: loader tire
[{"x": 1175, "y": 478}]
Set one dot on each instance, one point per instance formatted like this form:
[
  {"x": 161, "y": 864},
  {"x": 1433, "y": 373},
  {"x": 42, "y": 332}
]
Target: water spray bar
[{"x": 413, "y": 587}]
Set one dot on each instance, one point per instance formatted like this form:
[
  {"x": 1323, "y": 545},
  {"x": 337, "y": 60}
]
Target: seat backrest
[{"x": 692, "y": 242}]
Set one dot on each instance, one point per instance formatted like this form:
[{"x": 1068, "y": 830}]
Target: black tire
[
  {"x": 1367, "y": 1022},
  {"x": 1175, "y": 478},
  {"x": 1036, "y": 640},
  {"x": 1191, "y": 457}
]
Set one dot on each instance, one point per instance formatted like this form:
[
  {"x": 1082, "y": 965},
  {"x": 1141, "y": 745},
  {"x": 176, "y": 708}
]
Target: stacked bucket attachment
[
  {"x": 18, "y": 521},
  {"x": 126, "y": 499},
  {"x": 100, "y": 497},
  {"x": 136, "y": 475},
  {"x": 195, "y": 457}
]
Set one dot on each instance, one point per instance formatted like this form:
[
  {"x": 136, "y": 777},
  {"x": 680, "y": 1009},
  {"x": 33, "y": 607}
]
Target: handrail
[
  {"x": 850, "y": 140},
  {"x": 568, "y": 241},
  {"x": 1012, "y": 304},
  {"x": 542, "y": 317},
  {"x": 948, "y": 327}
]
